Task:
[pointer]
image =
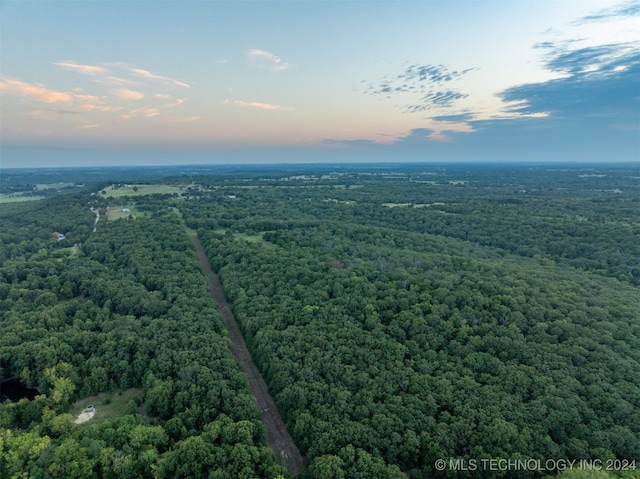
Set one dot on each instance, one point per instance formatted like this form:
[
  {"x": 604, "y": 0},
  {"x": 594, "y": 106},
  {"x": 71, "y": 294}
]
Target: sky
[{"x": 189, "y": 82}]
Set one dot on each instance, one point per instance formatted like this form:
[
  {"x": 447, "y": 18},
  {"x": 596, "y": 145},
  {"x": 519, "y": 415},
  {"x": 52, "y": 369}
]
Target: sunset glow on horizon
[{"x": 320, "y": 81}]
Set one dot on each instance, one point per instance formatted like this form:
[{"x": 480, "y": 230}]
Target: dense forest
[
  {"x": 399, "y": 315},
  {"x": 128, "y": 308}
]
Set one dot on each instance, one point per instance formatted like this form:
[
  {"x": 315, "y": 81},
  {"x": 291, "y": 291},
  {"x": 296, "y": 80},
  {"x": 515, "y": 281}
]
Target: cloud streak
[
  {"x": 106, "y": 94},
  {"x": 417, "y": 79},
  {"x": 432, "y": 74},
  {"x": 265, "y": 59},
  {"x": 598, "y": 81},
  {"x": 436, "y": 100},
  {"x": 96, "y": 101},
  {"x": 125, "y": 94},
  {"x": 187, "y": 120},
  {"x": 255, "y": 104},
  {"x": 430, "y": 84},
  {"x": 84, "y": 69},
  {"x": 627, "y": 9},
  {"x": 146, "y": 112},
  {"x": 177, "y": 102},
  {"x": 152, "y": 76},
  {"x": 33, "y": 91},
  {"x": 114, "y": 81},
  {"x": 589, "y": 61}
]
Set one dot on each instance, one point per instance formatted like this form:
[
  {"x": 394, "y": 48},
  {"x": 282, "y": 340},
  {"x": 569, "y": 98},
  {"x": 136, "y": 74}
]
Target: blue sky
[{"x": 160, "y": 82}]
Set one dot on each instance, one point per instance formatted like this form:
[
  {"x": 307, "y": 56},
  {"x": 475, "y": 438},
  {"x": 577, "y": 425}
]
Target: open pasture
[
  {"x": 108, "y": 406},
  {"x": 18, "y": 198},
  {"x": 118, "y": 191}
]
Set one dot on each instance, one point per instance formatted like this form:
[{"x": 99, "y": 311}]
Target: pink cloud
[
  {"x": 255, "y": 104},
  {"x": 84, "y": 69},
  {"x": 185, "y": 120},
  {"x": 114, "y": 81},
  {"x": 147, "y": 74},
  {"x": 178, "y": 101},
  {"x": 125, "y": 94},
  {"x": 148, "y": 112},
  {"x": 33, "y": 91}
]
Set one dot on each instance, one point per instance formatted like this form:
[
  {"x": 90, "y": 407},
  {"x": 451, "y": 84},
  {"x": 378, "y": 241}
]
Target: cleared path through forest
[{"x": 278, "y": 438}]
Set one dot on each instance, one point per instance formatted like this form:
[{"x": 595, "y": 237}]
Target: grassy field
[
  {"x": 18, "y": 198},
  {"x": 108, "y": 406},
  {"x": 243, "y": 236},
  {"x": 395, "y": 205},
  {"x": 62, "y": 252},
  {"x": 48, "y": 186},
  {"x": 344, "y": 202},
  {"x": 250, "y": 238},
  {"x": 426, "y": 205},
  {"x": 114, "y": 191},
  {"x": 116, "y": 212},
  {"x": 417, "y": 205}
]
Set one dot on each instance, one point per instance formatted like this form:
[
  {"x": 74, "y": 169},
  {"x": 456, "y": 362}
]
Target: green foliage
[
  {"x": 450, "y": 330},
  {"x": 490, "y": 313},
  {"x": 129, "y": 310},
  {"x": 226, "y": 449},
  {"x": 20, "y": 453}
]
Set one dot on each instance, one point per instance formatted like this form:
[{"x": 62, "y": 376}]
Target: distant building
[{"x": 126, "y": 210}]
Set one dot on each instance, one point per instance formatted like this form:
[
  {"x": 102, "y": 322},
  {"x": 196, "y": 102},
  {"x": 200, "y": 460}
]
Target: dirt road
[{"x": 278, "y": 438}]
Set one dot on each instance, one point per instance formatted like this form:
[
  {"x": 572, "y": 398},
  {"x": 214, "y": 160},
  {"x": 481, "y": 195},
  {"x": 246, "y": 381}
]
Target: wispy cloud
[
  {"x": 439, "y": 99},
  {"x": 93, "y": 103},
  {"x": 599, "y": 60},
  {"x": 146, "y": 112},
  {"x": 150, "y": 112},
  {"x": 265, "y": 59},
  {"x": 460, "y": 117},
  {"x": 89, "y": 98},
  {"x": 425, "y": 83},
  {"x": 84, "y": 69},
  {"x": 597, "y": 81},
  {"x": 177, "y": 102},
  {"x": 109, "y": 92},
  {"x": 165, "y": 96},
  {"x": 434, "y": 74},
  {"x": 352, "y": 143},
  {"x": 417, "y": 79},
  {"x": 125, "y": 94},
  {"x": 625, "y": 9},
  {"x": 147, "y": 74},
  {"x": 114, "y": 81},
  {"x": 255, "y": 104},
  {"x": 67, "y": 112},
  {"x": 33, "y": 91},
  {"x": 189, "y": 119}
]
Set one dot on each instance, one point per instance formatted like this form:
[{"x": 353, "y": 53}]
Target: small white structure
[
  {"x": 86, "y": 415},
  {"x": 126, "y": 210}
]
